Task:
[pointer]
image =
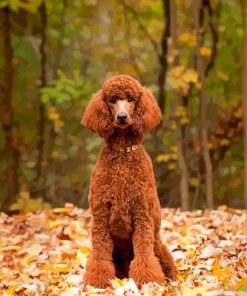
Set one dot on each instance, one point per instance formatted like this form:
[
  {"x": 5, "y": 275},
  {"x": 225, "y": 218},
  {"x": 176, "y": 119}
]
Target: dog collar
[{"x": 124, "y": 149}]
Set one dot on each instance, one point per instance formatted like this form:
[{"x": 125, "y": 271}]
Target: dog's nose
[{"x": 122, "y": 116}]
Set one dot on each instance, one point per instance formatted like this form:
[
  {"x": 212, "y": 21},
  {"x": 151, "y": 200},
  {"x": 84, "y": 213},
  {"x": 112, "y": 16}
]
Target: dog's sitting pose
[{"x": 123, "y": 198}]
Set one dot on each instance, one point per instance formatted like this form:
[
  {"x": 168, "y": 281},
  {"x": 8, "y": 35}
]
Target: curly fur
[{"x": 123, "y": 197}]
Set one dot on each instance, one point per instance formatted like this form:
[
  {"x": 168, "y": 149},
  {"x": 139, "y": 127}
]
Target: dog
[{"x": 123, "y": 199}]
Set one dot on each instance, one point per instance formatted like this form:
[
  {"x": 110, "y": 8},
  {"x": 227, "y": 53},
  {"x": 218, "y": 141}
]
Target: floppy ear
[
  {"x": 97, "y": 116},
  {"x": 151, "y": 110},
  {"x": 148, "y": 113}
]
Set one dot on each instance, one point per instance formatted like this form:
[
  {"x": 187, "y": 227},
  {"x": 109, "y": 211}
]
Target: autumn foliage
[{"x": 44, "y": 253}]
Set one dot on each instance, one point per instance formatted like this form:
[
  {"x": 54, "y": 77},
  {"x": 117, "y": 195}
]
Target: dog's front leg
[
  {"x": 100, "y": 268},
  {"x": 145, "y": 267}
]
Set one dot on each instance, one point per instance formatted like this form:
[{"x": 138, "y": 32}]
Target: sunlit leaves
[
  {"x": 222, "y": 75},
  {"x": 187, "y": 38},
  {"x": 25, "y": 203},
  {"x": 209, "y": 249},
  {"x": 194, "y": 182},
  {"x": 29, "y": 5},
  {"x": 180, "y": 78},
  {"x": 54, "y": 116},
  {"x": 66, "y": 89},
  {"x": 206, "y": 51}
]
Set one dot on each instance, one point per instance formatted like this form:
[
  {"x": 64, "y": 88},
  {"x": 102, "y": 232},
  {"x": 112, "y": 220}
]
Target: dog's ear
[
  {"x": 151, "y": 110},
  {"x": 148, "y": 111},
  {"x": 97, "y": 116}
]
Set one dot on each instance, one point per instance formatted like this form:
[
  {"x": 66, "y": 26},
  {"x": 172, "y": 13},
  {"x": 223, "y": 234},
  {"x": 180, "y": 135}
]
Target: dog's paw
[
  {"x": 99, "y": 273},
  {"x": 145, "y": 269},
  {"x": 171, "y": 272}
]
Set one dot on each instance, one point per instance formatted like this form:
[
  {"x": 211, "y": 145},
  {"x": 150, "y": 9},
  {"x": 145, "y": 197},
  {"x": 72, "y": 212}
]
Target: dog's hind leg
[{"x": 165, "y": 258}]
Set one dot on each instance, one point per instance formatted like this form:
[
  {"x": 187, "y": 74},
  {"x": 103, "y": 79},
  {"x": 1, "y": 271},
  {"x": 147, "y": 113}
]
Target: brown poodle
[{"x": 123, "y": 197}]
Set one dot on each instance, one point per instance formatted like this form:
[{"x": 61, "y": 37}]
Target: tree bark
[
  {"x": 11, "y": 149},
  {"x": 203, "y": 110},
  {"x": 41, "y": 122},
  {"x": 163, "y": 56},
  {"x": 183, "y": 169},
  {"x": 244, "y": 105}
]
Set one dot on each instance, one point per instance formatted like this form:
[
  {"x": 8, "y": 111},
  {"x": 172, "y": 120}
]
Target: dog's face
[
  {"x": 121, "y": 102},
  {"x": 122, "y": 109},
  {"x": 122, "y": 95}
]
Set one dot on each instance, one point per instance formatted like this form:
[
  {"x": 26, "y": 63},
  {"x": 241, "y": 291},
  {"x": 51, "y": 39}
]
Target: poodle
[{"x": 123, "y": 199}]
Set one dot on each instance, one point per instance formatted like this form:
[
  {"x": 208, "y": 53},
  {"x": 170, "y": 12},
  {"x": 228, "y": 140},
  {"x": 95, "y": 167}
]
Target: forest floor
[{"x": 44, "y": 253}]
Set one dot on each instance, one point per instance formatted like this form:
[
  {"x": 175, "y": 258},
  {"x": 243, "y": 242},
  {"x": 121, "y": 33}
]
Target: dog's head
[{"x": 122, "y": 102}]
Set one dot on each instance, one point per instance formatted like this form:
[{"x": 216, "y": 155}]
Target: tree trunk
[
  {"x": 183, "y": 169},
  {"x": 203, "y": 110},
  {"x": 11, "y": 149},
  {"x": 41, "y": 122},
  {"x": 162, "y": 56},
  {"x": 244, "y": 104},
  {"x": 184, "y": 174}
]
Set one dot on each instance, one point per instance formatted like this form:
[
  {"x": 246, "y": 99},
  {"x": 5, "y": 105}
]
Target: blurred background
[{"x": 56, "y": 53}]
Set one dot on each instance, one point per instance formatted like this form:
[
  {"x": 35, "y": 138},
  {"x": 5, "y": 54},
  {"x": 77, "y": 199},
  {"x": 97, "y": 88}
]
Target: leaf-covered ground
[{"x": 45, "y": 253}]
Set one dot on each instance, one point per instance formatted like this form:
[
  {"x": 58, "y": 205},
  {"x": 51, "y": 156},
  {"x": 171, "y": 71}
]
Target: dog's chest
[
  {"x": 120, "y": 219},
  {"x": 123, "y": 175}
]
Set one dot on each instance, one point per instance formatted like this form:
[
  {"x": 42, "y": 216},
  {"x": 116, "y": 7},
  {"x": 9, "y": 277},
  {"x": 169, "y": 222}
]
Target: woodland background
[{"x": 56, "y": 53}]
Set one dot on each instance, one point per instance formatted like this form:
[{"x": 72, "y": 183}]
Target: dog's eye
[
  {"x": 113, "y": 100},
  {"x": 130, "y": 99}
]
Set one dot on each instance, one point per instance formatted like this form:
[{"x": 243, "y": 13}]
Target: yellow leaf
[
  {"x": 206, "y": 51},
  {"x": 163, "y": 157},
  {"x": 118, "y": 283},
  {"x": 11, "y": 290},
  {"x": 24, "y": 277},
  {"x": 222, "y": 207},
  {"x": 224, "y": 142},
  {"x": 238, "y": 113},
  {"x": 242, "y": 282},
  {"x": 62, "y": 210},
  {"x": 210, "y": 145},
  {"x": 181, "y": 111},
  {"x": 53, "y": 116},
  {"x": 173, "y": 125},
  {"x": 63, "y": 269},
  {"x": 172, "y": 166},
  {"x": 172, "y": 54},
  {"x": 25, "y": 203},
  {"x": 190, "y": 253},
  {"x": 187, "y": 38},
  {"x": 223, "y": 274},
  {"x": 84, "y": 250},
  {"x": 174, "y": 149},
  {"x": 194, "y": 182},
  {"x": 198, "y": 85},
  {"x": 53, "y": 224},
  {"x": 129, "y": 69},
  {"x": 184, "y": 120},
  {"x": 48, "y": 267},
  {"x": 181, "y": 276},
  {"x": 177, "y": 71},
  {"x": 27, "y": 260},
  {"x": 174, "y": 156},
  {"x": 169, "y": 41},
  {"x": 184, "y": 37},
  {"x": 190, "y": 75},
  {"x": 222, "y": 75},
  {"x": 194, "y": 291},
  {"x": 59, "y": 123}
]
